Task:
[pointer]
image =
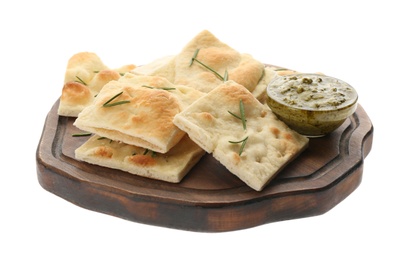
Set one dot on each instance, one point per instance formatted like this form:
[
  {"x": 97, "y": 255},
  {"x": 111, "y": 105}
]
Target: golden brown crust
[
  {"x": 241, "y": 68},
  {"x": 87, "y": 69},
  {"x": 75, "y": 93},
  {"x": 171, "y": 166},
  {"x": 146, "y": 120}
]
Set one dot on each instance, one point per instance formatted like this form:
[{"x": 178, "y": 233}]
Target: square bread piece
[
  {"x": 85, "y": 75},
  {"x": 241, "y": 67},
  {"x": 214, "y": 121},
  {"x": 145, "y": 118},
  {"x": 170, "y": 167}
]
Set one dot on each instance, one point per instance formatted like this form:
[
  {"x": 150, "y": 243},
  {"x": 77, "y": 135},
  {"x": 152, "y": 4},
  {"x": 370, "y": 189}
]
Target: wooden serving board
[{"x": 209, "y": 198}]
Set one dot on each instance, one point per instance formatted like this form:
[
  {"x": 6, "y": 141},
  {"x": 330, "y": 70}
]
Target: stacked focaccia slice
[
  {"x": 209, "y": 52},
  {"x": 242, "y": 133},
  {"x": 171, "y": 166},
  {"x": 85, "y": 75},
  {"x": 134, "y": 117}
]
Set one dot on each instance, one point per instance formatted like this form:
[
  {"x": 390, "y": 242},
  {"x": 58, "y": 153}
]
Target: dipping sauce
[{"x": 311, "y": 104}]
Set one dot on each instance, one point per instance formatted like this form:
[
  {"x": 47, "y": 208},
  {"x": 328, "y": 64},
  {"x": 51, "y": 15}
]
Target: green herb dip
[{"x": 312, "y": 92}]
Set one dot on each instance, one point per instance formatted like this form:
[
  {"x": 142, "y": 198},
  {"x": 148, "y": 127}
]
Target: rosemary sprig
[
  {"x": 120, "y": 73},
  {"x": 146, "y": 86},
  {"x": 194, "y": 58},
  {"x": 147, "y": 151},
  {"x": 116, "y": 103},
  {"x": 109, "y": 104},
  {"x": 242, "y": 142},
  {"x": 103, "y": 138},
  {"x": 242, "y": 116},
  {"x": 81, "y": 81},
  {"x": 242, "y": 112},
  {"x": 81, "y": 134}
]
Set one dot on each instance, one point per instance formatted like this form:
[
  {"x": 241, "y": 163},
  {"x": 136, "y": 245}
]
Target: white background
[{"x": 361, "y": 42}]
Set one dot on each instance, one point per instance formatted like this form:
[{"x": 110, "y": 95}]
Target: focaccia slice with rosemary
[
  {"x": 138, "y": 110},
  {"x": 85, "y": 75},
  {"x": 213, "y": 62},
  {"x": 241, "y": 133},
  {"x": 212, "y": 58},
  {"x": 171, "y": 166},
  {"x": 163, "y": 67}
]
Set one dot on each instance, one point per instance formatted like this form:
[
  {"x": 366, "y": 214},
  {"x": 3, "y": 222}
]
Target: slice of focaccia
[
  {"x": 85, "y": 75},
  {"x": 171, "y": 166},
  {"x": 260, "y": 90},
  {"x": 163, "y": 67},
  {"x": 218, "y": 56},
  {"x": 241, "y": 133},
  {"x": 138, "y": 110}
]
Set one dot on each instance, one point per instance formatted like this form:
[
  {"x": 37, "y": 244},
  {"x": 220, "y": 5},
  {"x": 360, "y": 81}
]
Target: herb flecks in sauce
[{"x": 311, "y": 91}]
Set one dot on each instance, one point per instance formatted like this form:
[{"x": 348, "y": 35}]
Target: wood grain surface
[{"x": 209, "y": 198}]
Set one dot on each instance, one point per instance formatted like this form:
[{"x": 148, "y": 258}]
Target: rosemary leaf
[
  {"x": 81, "y": 134},
  {"x": 116, "y": 103},
  {"x": 194, "y": 57},
  {"x": 81, "y": 81},
  {"x": 146, "y": 86},
  {"x": 112, "y": 98},
  {"x": 242, "y": 112},
  {"x": 210, "y": 69},
  {"x": 234, "y": 115},
  {"x": 242, "y": 142},
  {"x": 226, "y": 75},
  {"x": 109, "y": 104},
  {"x": 147, "y": 151}
]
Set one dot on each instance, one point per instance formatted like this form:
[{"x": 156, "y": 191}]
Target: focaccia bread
[
  {"x": 260, "y": 90},
  {"x": 241, "y": 133},
  {"x": 178, "y": 69},
  {"x": 85, "y": 75},
  {"x": 144, "y": 115},
  {"x": 184, "y": 94},
  {"x": 242, "y": 68},
  {"x": 171, "y": 166},
  {"x": 163, "y": 67}
]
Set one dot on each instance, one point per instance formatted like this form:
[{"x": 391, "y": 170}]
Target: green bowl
[{"x": 314, "y": 105}]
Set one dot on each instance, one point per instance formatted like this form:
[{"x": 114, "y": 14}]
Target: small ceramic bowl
[{"x": 313, "y": 105}]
